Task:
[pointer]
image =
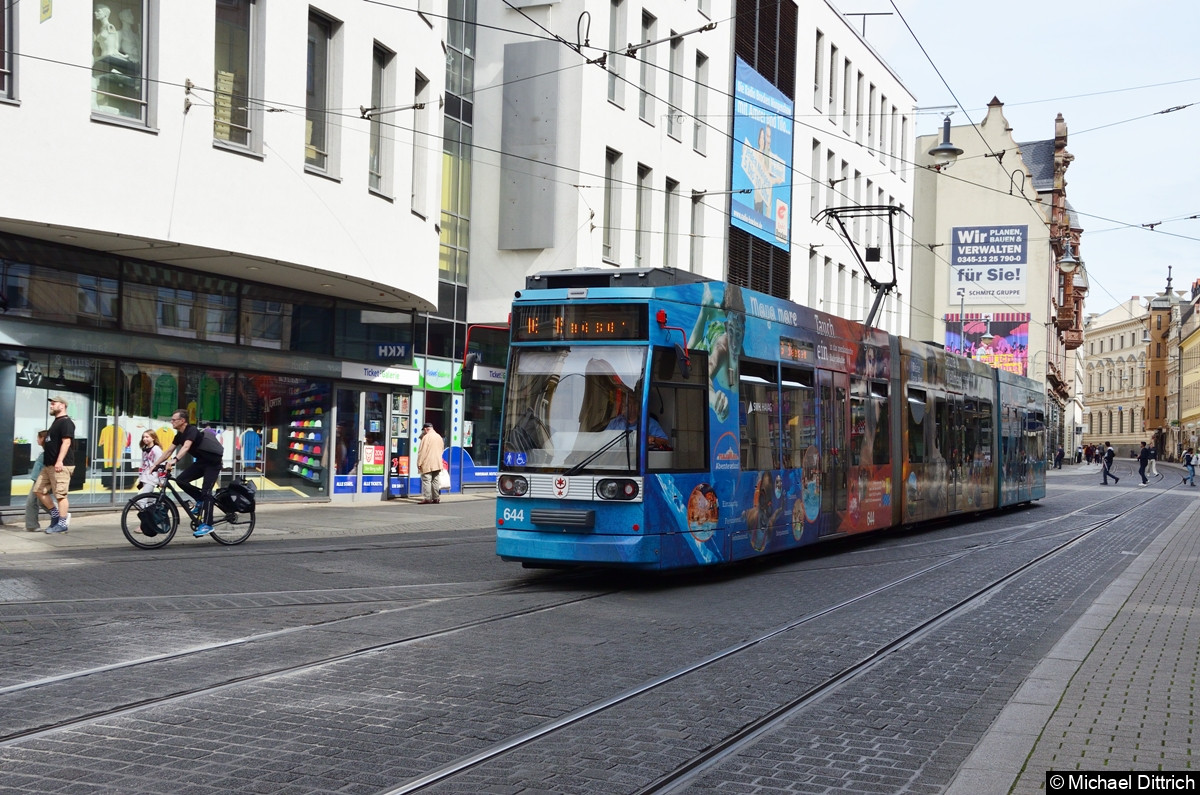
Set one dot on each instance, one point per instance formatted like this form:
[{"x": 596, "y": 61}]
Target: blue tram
[{"x": 656, "y": 420}]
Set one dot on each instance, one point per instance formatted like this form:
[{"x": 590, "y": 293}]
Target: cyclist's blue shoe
[
  {"x": 202, "y": 531},
  {"x": 194, "y": 509}
]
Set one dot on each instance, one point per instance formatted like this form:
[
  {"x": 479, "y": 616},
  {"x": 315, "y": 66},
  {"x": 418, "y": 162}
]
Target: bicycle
[{"x": 228, "y": 527}]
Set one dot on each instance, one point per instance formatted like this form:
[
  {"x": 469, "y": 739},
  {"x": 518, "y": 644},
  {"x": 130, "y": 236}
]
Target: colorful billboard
[
  {"x": 762, "y": 158},
  {"x": 1000, "y": 339}
]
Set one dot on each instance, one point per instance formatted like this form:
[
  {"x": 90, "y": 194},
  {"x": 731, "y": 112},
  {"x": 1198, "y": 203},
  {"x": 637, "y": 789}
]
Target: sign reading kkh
[{"x": 989, "y": 264}]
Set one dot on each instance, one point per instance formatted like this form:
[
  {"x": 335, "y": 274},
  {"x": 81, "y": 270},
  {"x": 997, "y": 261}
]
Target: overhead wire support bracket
[
  {"x": 631, "y": 50},
  {"x": 889, "y": 211}
]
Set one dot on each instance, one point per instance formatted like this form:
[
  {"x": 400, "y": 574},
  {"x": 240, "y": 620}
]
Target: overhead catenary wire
[{"x": 282, "y": 107}]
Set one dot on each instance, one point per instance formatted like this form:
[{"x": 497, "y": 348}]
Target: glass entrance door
[{"x": 360, "y": 442}]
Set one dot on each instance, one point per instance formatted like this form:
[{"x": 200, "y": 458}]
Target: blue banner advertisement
[{"x": 762, "y": 158}]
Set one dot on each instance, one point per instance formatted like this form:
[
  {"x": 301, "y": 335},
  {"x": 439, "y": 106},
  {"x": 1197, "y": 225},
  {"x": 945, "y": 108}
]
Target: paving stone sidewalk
[{"x": 1118, "y": 692}]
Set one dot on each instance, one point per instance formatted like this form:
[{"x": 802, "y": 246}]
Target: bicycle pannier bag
[
  {"x": 237, "y": 497},
  {"x": 154, "y": 519}
]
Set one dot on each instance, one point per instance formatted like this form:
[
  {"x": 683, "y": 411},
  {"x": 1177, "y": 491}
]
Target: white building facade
[
  {"x": 228, "y": 207},
  {"x": 616, "y": 147}
]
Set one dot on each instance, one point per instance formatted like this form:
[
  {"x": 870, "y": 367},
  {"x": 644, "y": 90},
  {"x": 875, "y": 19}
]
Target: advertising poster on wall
[
  {"x": 762, "y": 158},
  {"x": 989, "y": 264},
  {"x": 1000, "y": 340}
]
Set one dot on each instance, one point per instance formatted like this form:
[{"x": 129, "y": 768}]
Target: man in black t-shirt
[
  {"x": 206, "y": 453},
  {"x": 58, "y": 463}
]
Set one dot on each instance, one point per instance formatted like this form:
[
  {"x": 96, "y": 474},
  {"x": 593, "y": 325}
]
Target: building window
[
  {"x": 860, "y": 106},
  {"x": 380, "y": 147},
  {"x": 675, "y": 90},
  {"x": 119, "y": 85},
  {"x": 318, "y": 99},
  {"x": 7, "y": 39},
  {"x": 847, "y": 84},
  {"x": 236, "y": 117},
  {"x": 671, "y": 224},
  {"x": 612, "y": 204},
  {"x": 644, "y": 201},
  {"x": 833, "y": 76},
  {"x": 648, "y": 70},
  {"x": 420, "y": 154},
  {"x": 818, "y": 69},
  {"x": 700, "y": 108},
  {"x": 616, "y": 43},
  {"x": 697, "y": 243}
]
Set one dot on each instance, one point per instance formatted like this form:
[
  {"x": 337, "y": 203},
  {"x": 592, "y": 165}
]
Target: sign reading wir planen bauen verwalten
[{"x": 989, "y": 263}]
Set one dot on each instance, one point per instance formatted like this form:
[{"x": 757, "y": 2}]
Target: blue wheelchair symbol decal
[{"x": 514, "y": 459}]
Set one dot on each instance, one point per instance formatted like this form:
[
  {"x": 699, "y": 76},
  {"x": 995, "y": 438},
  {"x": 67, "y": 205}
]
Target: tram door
[
  {"x": 955, "y": 428},
  {"x": 833, "y": 393}
]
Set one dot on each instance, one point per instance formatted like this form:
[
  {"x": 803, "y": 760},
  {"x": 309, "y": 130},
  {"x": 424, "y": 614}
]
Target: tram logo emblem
[{"x": 560, "y": 486}]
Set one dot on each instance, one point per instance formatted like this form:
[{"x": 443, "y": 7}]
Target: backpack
[
  {"x": 210, "y": 445},
  {"x": 1187, "y": 459},
  {"x": 237, "y": 497}
]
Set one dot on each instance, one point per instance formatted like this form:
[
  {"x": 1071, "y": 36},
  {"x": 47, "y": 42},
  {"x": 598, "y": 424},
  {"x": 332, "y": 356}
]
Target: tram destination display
[{"x": 561, "y": 322}]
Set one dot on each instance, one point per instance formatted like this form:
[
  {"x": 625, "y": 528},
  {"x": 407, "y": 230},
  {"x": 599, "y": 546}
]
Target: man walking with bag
[
  {"x": 1107, "y": 461},
  {"x": 429, "y": 464}
]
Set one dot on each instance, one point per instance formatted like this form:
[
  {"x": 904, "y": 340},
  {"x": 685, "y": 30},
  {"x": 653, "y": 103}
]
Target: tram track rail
[
  {"x": 8, "y": 738},
  {"x": 736, "y": 742},
  {"x": 671, "y": 781}
]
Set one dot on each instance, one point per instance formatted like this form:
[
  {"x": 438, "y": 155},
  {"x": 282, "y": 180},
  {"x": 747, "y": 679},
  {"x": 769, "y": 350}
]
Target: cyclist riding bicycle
[{"x": 207, "y": 452}]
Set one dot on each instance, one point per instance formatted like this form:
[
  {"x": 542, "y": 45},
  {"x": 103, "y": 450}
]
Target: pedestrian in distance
[
  {"x": 1144, "y": 459},
  {"x": 429, "y": 464},
  {"x": 1110, "y": 455},
  {"x": 32, "y": 503},
  {"x": 1079, "y": 454},
  {"x": 1189, "y": 462},
  {"x": 207, "y": 452},
  {"x": 1152, "y": 469},
  {"x": 54, "y": 481},
  {"x": 1058, "y": 458}
]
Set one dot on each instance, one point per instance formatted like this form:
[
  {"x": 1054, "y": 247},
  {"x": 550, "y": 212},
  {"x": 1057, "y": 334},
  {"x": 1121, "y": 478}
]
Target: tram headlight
[
  {"x": 513, "y": 486},
  {"x": 617, "y": 489}
]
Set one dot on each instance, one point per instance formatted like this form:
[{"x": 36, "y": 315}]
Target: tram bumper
[{"x": 582, "y": 549}]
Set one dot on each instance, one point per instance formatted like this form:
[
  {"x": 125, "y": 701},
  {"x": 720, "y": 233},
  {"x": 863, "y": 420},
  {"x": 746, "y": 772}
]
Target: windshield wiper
[{"x": 575, "y": 470}]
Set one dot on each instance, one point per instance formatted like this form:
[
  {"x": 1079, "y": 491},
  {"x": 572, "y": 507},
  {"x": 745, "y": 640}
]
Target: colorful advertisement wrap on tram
[{"x": 700, "y": 423}]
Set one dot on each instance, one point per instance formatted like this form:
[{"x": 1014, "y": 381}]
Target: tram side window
[
  {"x": 916, "y": 426},
  {"x": 680, "y": 405},
  {"x": 869, "y": 442},
  {"x": 943, "y": 431},
  {"x": 799, "y": 403},
  {"x": 758, "y": 415}
]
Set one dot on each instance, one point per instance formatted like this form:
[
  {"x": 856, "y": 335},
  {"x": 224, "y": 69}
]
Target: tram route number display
[{"x": 989, "y": 263}]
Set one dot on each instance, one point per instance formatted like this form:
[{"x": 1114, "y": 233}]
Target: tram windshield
[{"x": 574, "y": 408}]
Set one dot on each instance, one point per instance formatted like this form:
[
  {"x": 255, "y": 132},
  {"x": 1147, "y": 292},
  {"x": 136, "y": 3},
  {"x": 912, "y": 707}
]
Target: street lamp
[{"x": 945, "y": 153}]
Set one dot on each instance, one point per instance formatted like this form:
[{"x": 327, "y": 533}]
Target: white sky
[{"x": 1104, "y": 65}]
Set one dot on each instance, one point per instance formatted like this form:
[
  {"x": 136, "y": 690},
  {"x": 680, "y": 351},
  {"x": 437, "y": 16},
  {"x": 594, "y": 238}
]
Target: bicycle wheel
[
  {"x": 131, "y": 523},
  {"x": 234, "y": 528}
]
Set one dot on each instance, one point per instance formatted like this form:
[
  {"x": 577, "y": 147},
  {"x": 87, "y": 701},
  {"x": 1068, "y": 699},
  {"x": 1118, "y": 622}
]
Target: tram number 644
[{"x": 514, "y": 514}]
